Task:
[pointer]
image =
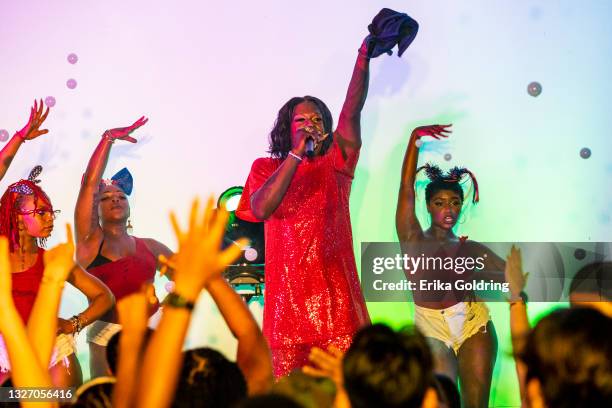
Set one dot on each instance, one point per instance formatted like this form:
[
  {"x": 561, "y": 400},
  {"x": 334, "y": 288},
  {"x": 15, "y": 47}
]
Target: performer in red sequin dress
[{"x": 313, "y": 296}]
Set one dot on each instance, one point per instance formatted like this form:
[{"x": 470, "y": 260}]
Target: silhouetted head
[
  {"x": 568, "y": 355},
  {"x": 209, "y": 378},
  {"x": 384, "y": 368},
  {"x": 96, "y": 393}
]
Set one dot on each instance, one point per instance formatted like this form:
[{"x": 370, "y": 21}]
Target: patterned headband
[{"x": 24, "y": 186}]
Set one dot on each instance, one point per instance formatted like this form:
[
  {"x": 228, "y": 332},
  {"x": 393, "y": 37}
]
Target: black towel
[{"x": 389, "y": 28}]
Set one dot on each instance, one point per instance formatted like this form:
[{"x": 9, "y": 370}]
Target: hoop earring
[{"x": 130, "y": 228}]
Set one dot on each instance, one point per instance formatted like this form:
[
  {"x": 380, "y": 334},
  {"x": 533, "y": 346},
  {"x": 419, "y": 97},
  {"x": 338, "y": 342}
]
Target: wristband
[
  {"x": 178, "y": 301},
  {"x": 295, "y": 156},
  {"x": 523, "y": 299}
]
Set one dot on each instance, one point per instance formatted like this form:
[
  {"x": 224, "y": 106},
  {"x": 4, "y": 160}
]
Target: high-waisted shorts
[
  {"x": 453, "y": 325},
  {"x": 100, "y": 332}
]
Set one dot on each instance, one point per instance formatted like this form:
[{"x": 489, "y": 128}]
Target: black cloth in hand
[{"x": 389, "y": 28}]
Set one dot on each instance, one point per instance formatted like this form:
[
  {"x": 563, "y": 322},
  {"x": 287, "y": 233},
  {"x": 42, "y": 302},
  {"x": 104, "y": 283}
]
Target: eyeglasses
[{"x": 41, "y": 212}]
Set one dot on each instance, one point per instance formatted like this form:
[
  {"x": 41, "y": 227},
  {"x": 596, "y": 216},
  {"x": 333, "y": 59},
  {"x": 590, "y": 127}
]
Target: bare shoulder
[{"x": 156, "y": 247}]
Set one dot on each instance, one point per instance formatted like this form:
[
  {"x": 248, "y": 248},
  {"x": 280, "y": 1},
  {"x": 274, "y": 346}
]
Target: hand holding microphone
[
  {"x": 310, "y": 147},
  {"x": 311, "y": 139}
]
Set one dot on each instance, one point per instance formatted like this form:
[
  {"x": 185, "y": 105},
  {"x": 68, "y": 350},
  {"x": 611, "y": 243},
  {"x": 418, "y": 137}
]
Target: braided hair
[{"x": 10, "y": 205}]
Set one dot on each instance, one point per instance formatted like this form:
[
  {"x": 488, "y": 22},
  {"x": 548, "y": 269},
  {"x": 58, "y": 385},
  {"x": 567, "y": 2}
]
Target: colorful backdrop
[{"x": 211, "y": 77}]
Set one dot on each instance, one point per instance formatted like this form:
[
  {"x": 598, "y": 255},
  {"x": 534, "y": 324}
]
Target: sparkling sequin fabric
[{"x": 313, "y": 296}]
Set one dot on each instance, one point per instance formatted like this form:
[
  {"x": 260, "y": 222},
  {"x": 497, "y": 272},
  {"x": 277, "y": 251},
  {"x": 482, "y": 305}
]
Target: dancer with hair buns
[{"x": 458, "y": 328}]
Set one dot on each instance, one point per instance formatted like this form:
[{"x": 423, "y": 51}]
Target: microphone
[{"x": 310, "y": 147}]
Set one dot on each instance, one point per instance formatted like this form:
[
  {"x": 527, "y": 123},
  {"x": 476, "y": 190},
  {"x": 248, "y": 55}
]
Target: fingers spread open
[
  {"x": 231, "y": 253},
  {"x": 175, "y": 226}
]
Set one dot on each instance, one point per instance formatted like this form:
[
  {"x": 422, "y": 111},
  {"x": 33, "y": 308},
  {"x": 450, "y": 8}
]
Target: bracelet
[
  {"x": 295, "y": 156},
  {"x": 77, "y": 325},
  {"x": 175, "y": 300},
  {"x": 108, "y": 137},
  {"x": 516, "y": 302},
  {"x": 522, "y": 299}
]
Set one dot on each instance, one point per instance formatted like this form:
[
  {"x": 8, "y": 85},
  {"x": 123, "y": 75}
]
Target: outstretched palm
[
  {"x": 435, "y": 131},
  {"x": 123, "y": 133},
  {"x": 37, "y": 117},
  {"x": 516, "y": 278}
]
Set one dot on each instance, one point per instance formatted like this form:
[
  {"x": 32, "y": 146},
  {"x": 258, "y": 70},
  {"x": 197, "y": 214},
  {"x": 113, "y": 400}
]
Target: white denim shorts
[
  {"x": 64, "y": 347},
  {"x": 453, "y": 325},
  {"x": 100, "y": 332}
]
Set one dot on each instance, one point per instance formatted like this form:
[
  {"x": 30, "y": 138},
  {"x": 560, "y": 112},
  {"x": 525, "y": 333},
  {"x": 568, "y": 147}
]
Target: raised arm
[
  {"x": 406, "y": 222},
  {"x": 42, "y": 325},
  {"x": 197, "y": 260},
  {"x": 132, "y": 311},
  {"x": 26, "y": 369},
  {"x": 348, "y": 132},
  {"x": 85, "y": 218},
  {"x": 253, "y": 355},
  {"x": 519, "y": 322},
  {"x": 30, "y": 131}
]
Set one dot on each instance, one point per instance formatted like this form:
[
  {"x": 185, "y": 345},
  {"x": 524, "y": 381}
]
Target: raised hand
[
  {"x": 167, "y": 265},
  {"x": 514, "y": 273},
  {"x": 59, "y": 260},
  {"x": 326, "y": 363},
  {"x": 37, "y": 117},
  {"x": 123, "y": 133},
  {"x": 309, "y": 132},
  {"x": 199, "y": 258},
  {"x": 435, "y": 131}
]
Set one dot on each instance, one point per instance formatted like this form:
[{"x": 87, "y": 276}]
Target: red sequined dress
[{"x": 313, "y": 296}]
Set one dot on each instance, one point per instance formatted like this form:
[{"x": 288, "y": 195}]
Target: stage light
[
  {"x": 230, "y": 198},
  {"x": 247, "y": 274},
  {"x": 237, "y": 228}
]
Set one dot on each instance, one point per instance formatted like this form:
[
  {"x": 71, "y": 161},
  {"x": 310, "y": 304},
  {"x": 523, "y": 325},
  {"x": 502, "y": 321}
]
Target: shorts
[
  {"x": 453, "y": 325},
  {"x": 100, "y": 332},
  {"x": 64, "y": 347}
]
